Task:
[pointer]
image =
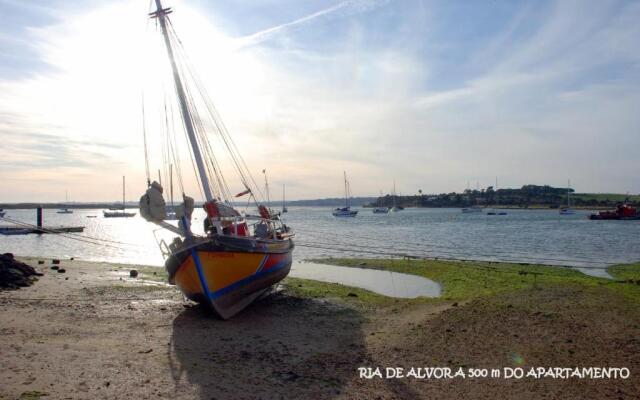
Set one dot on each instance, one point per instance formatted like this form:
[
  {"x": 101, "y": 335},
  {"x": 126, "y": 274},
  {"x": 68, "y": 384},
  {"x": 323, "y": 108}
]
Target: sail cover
[{"x": 152, "y": 204}]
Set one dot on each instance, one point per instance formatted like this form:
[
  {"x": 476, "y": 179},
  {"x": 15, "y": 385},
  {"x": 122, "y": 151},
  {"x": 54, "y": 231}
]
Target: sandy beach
[{"x": 94, "y": 332}]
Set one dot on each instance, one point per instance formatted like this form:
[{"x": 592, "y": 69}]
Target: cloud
[
  {"x": 342, "y": 9},
  {"x": 383, "y": 90}
]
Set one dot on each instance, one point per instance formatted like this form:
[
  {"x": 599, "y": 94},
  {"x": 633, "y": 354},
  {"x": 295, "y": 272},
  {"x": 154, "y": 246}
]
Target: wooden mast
[{"x": 161, "y": 14}]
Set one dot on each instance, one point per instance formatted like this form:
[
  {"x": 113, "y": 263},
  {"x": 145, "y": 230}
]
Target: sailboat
[
  {"x": 171, "y": 211},
  {"x": 381, "y": 210},
  {"x": 118, "y": 213},
  {"x": 346, "y": 210},
  {"x": 284, "y": 207},
  {"x": 65, "y": 210},
  {"x": 567, "y": 210},
  {"x": 395, "y": 207},
  {"x": 237, "y": 259}
]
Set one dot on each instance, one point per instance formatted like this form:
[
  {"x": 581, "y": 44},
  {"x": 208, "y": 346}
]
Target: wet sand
[{"x": 95, "y": 333}]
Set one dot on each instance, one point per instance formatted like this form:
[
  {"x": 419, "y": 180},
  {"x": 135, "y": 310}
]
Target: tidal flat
[{"x": 96, "y": 332}]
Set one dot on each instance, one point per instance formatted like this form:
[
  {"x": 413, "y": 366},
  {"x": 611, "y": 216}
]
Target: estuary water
[{"x": 529, "y": 236}]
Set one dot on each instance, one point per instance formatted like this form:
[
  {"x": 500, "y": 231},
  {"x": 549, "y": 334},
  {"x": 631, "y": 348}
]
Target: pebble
[
  {"x": 55, "y": 261},
  {"x": 55, "y": 267},
  {"x": 62, "y": 271},
  {"x": 133, "y": 273}
]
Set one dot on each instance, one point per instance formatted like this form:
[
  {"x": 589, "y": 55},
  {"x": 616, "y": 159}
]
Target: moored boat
[
  {"x": 346, "y": 210},
  {"x": 381, "y": 210},
  {"x": 622, "y": 212},
  {"x": 65, "y": 210},
  {"x": 567, "y": 210},
  {"x": 119, "y": 213}
]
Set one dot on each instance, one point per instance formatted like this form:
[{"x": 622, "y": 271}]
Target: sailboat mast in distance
[{"x": 161, "y": 14}]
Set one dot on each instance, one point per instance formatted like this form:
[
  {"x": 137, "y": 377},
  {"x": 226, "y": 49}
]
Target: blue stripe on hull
[{"x": 248, "y": 279}]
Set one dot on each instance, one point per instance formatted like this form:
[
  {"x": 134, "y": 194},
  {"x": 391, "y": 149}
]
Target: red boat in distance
[{"x": 622, "y": 212}]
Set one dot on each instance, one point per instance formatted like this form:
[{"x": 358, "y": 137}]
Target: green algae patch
[{"x": 468, "y": 280}]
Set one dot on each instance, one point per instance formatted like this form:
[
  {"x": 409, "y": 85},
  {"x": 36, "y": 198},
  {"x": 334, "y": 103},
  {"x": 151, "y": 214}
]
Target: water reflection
[{"x": 387, "y": 283}]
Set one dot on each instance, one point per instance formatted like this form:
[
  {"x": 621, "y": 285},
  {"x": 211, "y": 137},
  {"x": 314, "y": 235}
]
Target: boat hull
[
  {"x": 108, "y": 214},
  {"x": 231, "y": 276},
  {"x": 613, "y": 217}
]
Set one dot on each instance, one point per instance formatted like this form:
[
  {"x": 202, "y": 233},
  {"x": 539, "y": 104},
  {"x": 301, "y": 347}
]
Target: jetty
[{"x": 20, "y": 228}]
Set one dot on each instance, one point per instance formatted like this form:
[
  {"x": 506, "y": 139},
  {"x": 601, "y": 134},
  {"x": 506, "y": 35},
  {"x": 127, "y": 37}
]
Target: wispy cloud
[
  {"x": 417, "y": 91},
  {"x": 344, "y": 8}
]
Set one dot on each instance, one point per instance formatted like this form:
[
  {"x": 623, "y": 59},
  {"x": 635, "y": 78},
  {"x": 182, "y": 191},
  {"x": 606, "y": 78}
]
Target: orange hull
[{"x": 228, "y": 281}]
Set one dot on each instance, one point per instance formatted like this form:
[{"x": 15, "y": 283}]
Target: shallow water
[
  {"x": 531, "y": 236},
  {"x": 387, "y": 283}
]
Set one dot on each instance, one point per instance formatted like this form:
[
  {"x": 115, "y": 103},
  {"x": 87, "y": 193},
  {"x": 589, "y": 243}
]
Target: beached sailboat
[
  {"x": 346, "y": 210},
  {"x": 119, "y": 213},
  {"x": 236, "y": 261},
  {"x": 567, "y": 210}
]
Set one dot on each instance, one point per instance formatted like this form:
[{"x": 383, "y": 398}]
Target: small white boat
[
  {"x": 346, "y": 210},
  {"x": 381, "y": 210},
  {"x": 171, "y": 212},
  {"x": 567, "y": 210},
  {"x": 118, "y": 213},
  {"x": 65, "y": 210},
  {"x": 395, "y": 207}
]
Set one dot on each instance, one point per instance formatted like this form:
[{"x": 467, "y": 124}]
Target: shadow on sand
[{"x": 281, "y": 347}]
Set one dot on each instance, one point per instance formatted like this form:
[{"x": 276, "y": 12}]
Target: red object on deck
[
  {"x": 212, "y": 209},
  {"x": 264, "y": 212}
]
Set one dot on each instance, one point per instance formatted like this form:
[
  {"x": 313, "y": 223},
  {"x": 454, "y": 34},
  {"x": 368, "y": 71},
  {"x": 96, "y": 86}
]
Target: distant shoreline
[{"x": 106, "y": 206}]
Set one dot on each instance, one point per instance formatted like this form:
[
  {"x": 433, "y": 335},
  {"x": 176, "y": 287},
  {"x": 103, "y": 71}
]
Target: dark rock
[
  {"x": 40, "y": 261},
  {"x": 350, "y": 294},
  {"x": 454, "y": 305},
  {"x": 15, "y": 274},
  {"x": 55, "y": 261},
  {"x": 133, "y": 273},
  {"x": 55, "y": 267},
  {"x": 62, "y": 271},
  {"x": 71, "y": 258}
]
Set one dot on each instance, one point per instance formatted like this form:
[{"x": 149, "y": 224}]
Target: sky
[{"x": 436, "y": 95}]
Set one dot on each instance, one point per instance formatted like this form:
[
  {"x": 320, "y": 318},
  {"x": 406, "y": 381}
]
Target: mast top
[{"x": 160, "y": 12}]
